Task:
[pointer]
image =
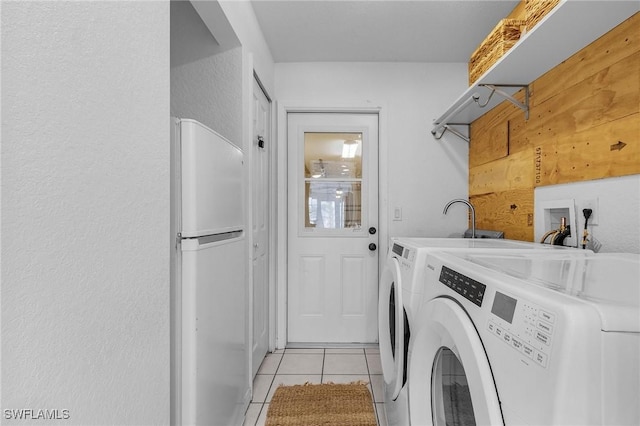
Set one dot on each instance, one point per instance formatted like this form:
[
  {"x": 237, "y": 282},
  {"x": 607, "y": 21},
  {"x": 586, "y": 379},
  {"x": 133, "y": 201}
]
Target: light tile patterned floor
[{"x": 318, "y": 365}]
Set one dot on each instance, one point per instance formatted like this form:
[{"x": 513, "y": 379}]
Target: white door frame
[
  {"x": 284, "y": 108},
  {"x": 273, "y": 222}
]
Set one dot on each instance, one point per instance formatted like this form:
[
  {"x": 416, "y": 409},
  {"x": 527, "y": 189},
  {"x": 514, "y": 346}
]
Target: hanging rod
[{"x": 448, "y": 127}]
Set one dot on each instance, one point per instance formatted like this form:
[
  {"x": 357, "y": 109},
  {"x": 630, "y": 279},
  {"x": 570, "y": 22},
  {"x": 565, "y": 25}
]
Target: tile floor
[{"x": 298, "y": 366}]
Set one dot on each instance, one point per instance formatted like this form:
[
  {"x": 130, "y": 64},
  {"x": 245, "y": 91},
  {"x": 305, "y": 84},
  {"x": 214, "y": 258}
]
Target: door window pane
[
  {"x": 333, "y": 180},
  {"x": 333, "y": 205},
  {"x": 451, "y": 397}
]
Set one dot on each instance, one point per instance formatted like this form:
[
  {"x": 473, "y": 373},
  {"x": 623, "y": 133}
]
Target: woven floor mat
[{"x": 326, "y": 404}]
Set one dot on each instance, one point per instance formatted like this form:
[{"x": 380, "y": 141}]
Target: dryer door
[
  {"x": 450, "y": 380},
  {"x": 391, "y": 328}
]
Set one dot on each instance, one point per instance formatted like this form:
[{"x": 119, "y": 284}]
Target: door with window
[{"x": 332, "y": 227}]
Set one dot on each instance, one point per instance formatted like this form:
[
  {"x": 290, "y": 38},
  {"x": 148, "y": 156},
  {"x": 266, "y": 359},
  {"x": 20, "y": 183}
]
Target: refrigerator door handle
[{"x": 208, "y": 239}]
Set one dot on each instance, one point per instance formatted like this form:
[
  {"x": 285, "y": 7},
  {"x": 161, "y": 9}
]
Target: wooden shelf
[{"x": 569, "y": 27}]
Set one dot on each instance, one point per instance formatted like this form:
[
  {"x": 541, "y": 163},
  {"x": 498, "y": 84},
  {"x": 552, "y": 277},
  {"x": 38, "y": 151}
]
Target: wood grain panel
[
  {"x": 509, "y": 173},
  {"x": 620, "y": 43},
  {"x": 518, "y": 135},
  {"x": 493, "y": 134},
  {"x": 489, "y": 136},
  {"x": 507, "y": 211},
  {"x": 589, "y": 155},
  {"x": 518, "y": 140},
  {"x": 608, "y": 95}
]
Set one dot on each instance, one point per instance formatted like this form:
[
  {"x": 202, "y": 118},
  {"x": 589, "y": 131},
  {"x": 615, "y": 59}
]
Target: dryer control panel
[{"x": 524, "y": 326}]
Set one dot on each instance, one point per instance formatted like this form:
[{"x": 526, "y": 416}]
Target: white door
[
  {"x": 260, "y": 194},
  {"x": 332, "y": 227}
]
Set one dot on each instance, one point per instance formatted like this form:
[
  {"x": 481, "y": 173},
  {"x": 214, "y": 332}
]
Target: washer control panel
[
  {"x": 524, "y": 326},
  {"x": 471, "y": 289},
  {"x": 405, "y": 255}
]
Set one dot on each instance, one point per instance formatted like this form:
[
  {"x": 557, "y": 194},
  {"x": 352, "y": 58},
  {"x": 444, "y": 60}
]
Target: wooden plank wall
[{"x": 584, "y": 124}]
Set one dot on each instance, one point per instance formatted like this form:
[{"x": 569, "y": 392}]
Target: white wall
[
  {"x": 423, "y": 174},
  {"x": 206, "y": 81},
  {"x": 616, "y": 213},
  {"x": 243, "y": 20},
  {"x": 85, "y": 210}
]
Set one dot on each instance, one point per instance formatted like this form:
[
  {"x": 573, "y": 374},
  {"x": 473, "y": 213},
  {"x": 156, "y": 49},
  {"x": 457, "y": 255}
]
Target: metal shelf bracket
[
  {"x": 443, "y": 125},
  {"x": 442, "y": 129},
  {"x": 495, "y": 88}
]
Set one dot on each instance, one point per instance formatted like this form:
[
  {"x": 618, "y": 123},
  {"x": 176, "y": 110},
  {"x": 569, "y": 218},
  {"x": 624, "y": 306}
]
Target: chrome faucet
[{"x": 473, "y": 213}]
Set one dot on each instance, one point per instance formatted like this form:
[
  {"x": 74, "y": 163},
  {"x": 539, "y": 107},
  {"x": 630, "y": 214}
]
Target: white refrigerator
[{"x": 210, "y": 384}]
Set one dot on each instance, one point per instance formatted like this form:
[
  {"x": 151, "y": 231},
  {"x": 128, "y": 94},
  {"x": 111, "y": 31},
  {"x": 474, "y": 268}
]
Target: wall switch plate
[{"x": 397, "y": 213}]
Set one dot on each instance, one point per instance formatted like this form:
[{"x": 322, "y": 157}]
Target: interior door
[
  {"x": 332, "y": 227},
  {"x": 260, "y": 229}
]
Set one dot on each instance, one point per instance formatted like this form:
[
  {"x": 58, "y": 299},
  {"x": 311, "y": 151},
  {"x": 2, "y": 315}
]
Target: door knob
[
  {"x": 372, "y": 230},
  {"x": 372, "y": 247}
]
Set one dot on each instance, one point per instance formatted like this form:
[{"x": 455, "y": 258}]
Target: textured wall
[
  {"x": 245, "y": 25},
  {"x": 85, "y": 210},
  {"x": 206, "y": 84}
]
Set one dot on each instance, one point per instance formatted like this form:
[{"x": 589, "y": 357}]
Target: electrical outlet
[{"x": 593, "y": 205}]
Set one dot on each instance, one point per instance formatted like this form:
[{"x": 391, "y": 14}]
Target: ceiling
[{"x": 377, "y": 30}]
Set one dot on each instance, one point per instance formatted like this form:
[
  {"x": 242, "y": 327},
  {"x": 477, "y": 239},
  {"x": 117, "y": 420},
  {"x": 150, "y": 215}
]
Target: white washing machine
[
  {"x": 401, "y": 289},
  {"x": 527, "y": 339}
]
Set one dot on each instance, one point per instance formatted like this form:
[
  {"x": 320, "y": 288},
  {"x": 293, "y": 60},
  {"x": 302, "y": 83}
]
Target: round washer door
[
  {"x": 391, "y": 327},
  {"x": 450, "y": 380}
]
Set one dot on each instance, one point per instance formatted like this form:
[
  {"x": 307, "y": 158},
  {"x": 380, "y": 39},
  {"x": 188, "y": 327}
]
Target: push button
[
  {"x": 528, "y": 350},
  {"x": 541, "y": 359},
  {"x": 547, "y": 316},
  {"x": 516, "y": 343},
  {"x": 545, "y": 327},
  {"x": 542, "y": 337}
]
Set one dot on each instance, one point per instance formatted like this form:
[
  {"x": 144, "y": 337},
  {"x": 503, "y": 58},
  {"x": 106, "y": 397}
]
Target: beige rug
[{"x": 326, "y": 404}]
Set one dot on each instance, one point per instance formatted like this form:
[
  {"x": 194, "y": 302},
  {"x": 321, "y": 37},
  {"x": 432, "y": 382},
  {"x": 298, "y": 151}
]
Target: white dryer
[
  {"x": 527, "y": 339},
  {"x": 401, "y": 289}
]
